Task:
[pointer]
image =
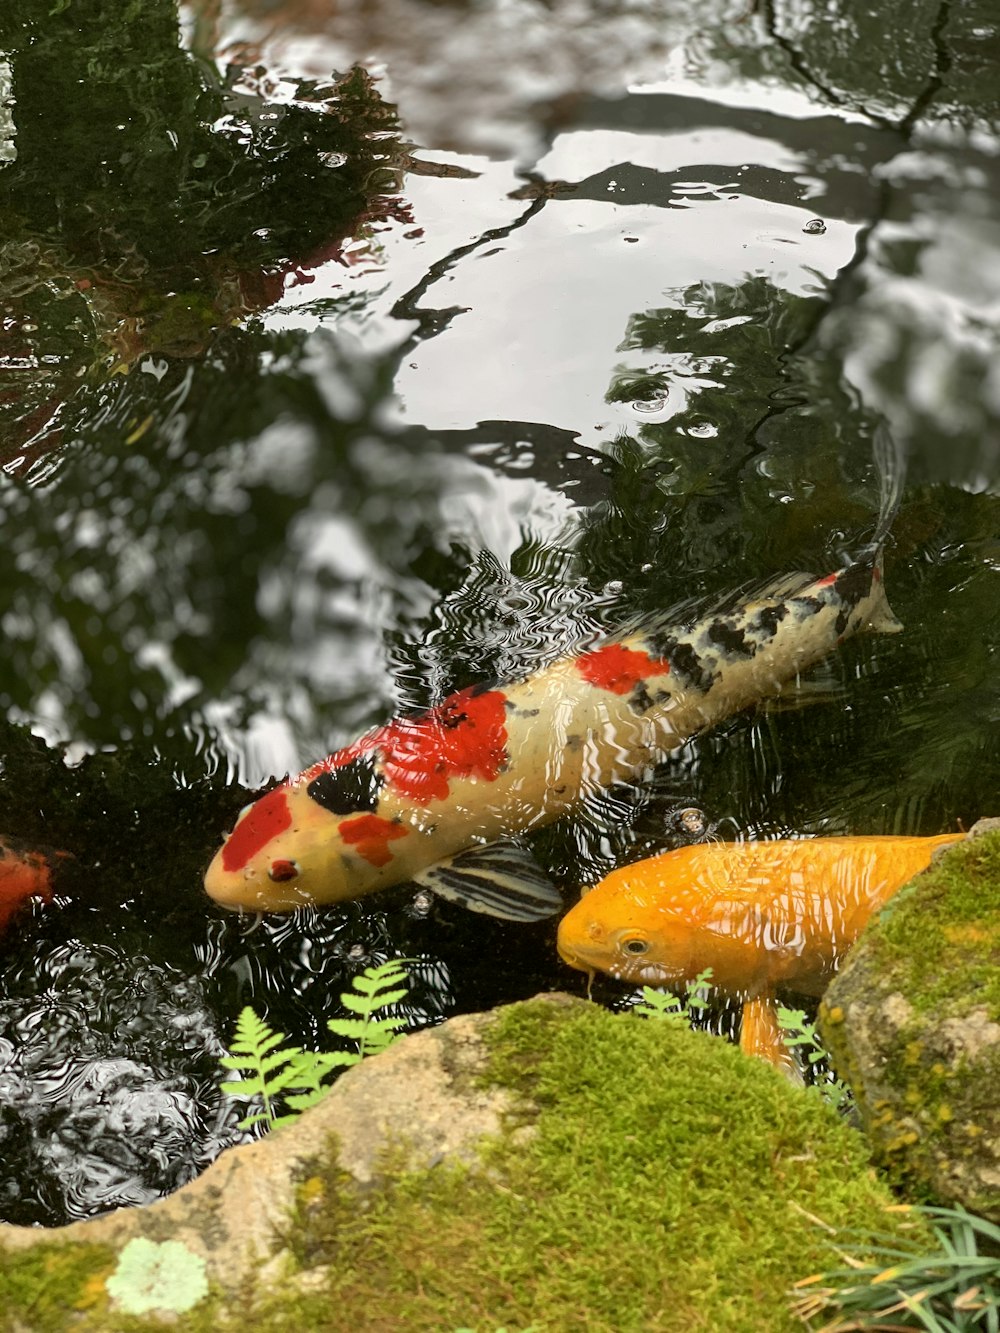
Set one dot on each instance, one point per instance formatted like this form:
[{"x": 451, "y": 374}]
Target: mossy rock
[
  {"x": 913, "y": 1024},
  {"x": 551, "y": 1166}
]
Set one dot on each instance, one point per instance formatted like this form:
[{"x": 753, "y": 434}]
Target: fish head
[
  {"x": 285, "y": 851},
  {"x": 606, "y": 932}
]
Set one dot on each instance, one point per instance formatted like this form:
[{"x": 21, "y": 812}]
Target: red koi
[{"x": 25, "y": 872}]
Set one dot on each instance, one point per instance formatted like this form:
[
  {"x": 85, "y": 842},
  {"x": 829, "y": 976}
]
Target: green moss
[
  {"x": 41, "y": 1287},
  {"x": 940, "y": 937},
  {"x": 926, "y": 1103},
  {"x": 666, "y": 1182}
]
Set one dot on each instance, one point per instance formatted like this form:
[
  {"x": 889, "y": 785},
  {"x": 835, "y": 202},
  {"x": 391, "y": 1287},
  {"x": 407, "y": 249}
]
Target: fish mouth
[{"x": 635, "y": 972}]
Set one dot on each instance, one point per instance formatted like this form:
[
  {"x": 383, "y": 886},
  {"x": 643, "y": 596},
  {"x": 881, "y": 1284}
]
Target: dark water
[{"x": 308, "y": 415}]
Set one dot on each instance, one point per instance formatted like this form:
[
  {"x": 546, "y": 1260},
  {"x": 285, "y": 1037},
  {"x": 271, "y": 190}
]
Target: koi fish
[
  {"x": 761, "y": 915},
  {"x": 441, "y": 798},
  {"x": 25, "y": 872}
]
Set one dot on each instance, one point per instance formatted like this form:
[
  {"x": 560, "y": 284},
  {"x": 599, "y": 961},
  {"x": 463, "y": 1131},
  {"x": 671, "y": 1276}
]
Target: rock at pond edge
[{"x": 913, "y": 1025}]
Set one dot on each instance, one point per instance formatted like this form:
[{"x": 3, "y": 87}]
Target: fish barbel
[
  {"x": 761, "y": 915},
  {"x": 437, "y": 798}
]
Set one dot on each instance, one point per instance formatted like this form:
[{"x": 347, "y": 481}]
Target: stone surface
[
  {"x": 424, "y": 1087},
  {"x": 913, "y": 1022}
]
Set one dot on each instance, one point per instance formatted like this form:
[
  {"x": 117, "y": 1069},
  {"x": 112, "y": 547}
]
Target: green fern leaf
[
  {"x": 351, "y": 1028},
  {"x": 267, "y": 1068}
]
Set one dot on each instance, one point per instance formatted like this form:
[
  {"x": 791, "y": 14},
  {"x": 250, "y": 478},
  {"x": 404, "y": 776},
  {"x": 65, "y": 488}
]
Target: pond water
[{"x": 353, "y": 354}]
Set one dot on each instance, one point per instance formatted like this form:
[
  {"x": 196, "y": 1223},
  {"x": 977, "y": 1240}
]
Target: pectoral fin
[
  {"x": 502, "y": 879},
  {"x": 760, "y": 1035}
]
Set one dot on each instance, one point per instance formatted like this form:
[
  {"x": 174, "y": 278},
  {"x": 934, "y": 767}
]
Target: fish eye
[
  {"x": 280, "y": 871},
  {"x": 635, "y": 946}
]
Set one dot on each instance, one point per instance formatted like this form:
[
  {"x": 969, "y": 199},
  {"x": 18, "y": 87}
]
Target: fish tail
[
  {"x": 881, "y": 617},
  {"x": 890, "y": 461}
]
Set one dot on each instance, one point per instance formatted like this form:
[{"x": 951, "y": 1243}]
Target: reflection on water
[{"x": 302, "y": 424}]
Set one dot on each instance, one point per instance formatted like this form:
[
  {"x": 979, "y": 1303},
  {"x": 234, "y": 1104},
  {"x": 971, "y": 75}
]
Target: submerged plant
[
  {"x": 269, "y": 1070},
  {"x": 954, "y": 1288}
]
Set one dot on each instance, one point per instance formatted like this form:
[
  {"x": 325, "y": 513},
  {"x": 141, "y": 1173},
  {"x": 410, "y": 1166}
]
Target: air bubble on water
[
  {"x": 332, "y": 159},
  {"x": 815, "y": 227},
  {"x": 703, "y": 430},
  {"x": 651, "y": 406},
  {"x": 422, "y": 903}
]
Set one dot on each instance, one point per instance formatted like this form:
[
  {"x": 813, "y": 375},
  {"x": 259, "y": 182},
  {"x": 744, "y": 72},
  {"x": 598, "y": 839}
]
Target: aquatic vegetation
[
  {"x": 891, "y": 1284},
  {"x": 269, "y": 1070}
]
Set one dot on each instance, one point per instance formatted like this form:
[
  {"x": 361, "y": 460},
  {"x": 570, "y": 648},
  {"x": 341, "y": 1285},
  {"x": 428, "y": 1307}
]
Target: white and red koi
[{"x": 437, "y": 797}]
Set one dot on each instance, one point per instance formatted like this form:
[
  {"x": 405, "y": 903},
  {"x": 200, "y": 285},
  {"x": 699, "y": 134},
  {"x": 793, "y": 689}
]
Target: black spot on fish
[
  {"x": 813, "y": 605},
  {"x": 641, "y": 701},
  {"x": 684, "y": 661},
  {"x": 768, "y": 618},
  {"x": 730, "y": 638},
  {"x": 521, "y": 712},
  {"x": 842, "y": 621},
  {"x": 352, "y": 787},
  {"x": 855, "y": 582}
]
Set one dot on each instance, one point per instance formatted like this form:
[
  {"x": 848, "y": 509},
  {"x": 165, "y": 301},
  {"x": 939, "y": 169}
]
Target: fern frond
[{"x": 268, "y": 1069}]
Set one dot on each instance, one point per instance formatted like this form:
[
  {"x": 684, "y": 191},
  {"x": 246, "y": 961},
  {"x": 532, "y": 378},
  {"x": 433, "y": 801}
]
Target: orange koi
[
  {"x": 761, "y": 915},
  {"x": 25, "y": 872}
]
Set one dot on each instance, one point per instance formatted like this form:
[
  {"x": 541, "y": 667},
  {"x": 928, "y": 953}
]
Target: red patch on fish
[
  {"x": 619, "y": 669},
  {"x": 371, "y": 834},
  {"x": 463, "y": 737},
  {"x": 264, "y": 820},
  {"x": 825, "y": 583},
  {"x": 24, "y": 873}
]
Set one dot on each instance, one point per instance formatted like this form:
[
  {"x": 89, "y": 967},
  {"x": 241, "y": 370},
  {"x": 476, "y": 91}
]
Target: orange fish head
[
  {"x": 621, "y": 944},
  {"x": 285, "y": 851}
]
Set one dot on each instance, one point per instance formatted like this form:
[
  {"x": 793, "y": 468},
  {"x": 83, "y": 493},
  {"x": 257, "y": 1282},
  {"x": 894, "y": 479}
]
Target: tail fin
[{"x": 890, "y": 459}]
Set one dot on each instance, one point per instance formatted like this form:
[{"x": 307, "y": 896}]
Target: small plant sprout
[
  {"x": 268, "y": 1070},
  {"x": 885, "y": 1284},
  {"x": 803, "y": 1040},
  {"x": 683, "y": 1008}
]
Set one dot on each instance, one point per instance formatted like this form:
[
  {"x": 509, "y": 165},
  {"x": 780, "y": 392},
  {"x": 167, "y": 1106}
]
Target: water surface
[{"x": 310, "y": 413}]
